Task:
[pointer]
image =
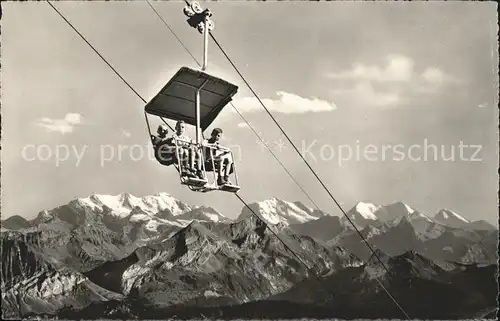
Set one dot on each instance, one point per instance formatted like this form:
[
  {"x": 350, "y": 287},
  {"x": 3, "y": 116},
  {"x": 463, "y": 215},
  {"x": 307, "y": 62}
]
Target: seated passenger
[
  {"x": 162, "y": 135},
  {"x": 164, "y": 153},
  {"x": 221, "y": 158},
  {"x": 184, "y": 149}
]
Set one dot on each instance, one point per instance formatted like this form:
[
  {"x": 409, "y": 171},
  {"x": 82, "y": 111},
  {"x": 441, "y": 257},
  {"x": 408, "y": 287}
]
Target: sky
[{"x": 387, "y": 101}]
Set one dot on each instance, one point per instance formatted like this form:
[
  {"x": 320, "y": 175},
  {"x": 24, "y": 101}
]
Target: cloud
[
  {"x": 285, "y": 103},
  {"x": 399, "y": 68},
  {"x": 364, "y": 95},
  {"x": 433, "y": 79},
  {"x": 437, "y": 77},
  {"x": 63, "y": 126},
  {"x": 433, "y": 75},
  {"x": 388, "y": 85}
]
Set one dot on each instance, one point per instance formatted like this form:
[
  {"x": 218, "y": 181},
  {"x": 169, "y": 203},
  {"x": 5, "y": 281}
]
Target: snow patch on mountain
[
  {"x": 204, "y": 213},
  {"x": 152, "y": 226},
  {"x": 372, "y": 231},
  {"x": 415, "y": 215},
  {"x": 448, "y": 213},
  {"x": 367, "y": 210},
  {"x": 123, "y": 204},
  {"x": 210, "y": 293},
  {"x": 275, "y": 211},
  {"x": 425, "y": 228},
  {"x": 362, "y": 214},
  {"x": 450, "y": 218},
  {"x": 409, "y": 209},
  {"x": 373, "y": 272},
  {"x": 448, "y": 249},
  {"x": 393, "y": 211},
  {"x": 432, "y": 232},
  {"x": 42, "y": 217},
  {"x": 139, "y": 217}
]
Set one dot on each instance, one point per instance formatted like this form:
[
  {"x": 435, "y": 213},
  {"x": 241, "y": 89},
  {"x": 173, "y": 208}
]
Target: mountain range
[{"x": 154, "y": 256}]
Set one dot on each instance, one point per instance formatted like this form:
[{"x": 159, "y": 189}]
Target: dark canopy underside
[{"x": 177, "y": 100}]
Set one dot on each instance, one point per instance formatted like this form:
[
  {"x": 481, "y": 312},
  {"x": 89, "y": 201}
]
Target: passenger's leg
[
  {"x": 183, "y": 160},
  {"x": 220, "y": 177},
  {"x": 186, "y": 157},
  {"x": 192, "y": 157},
  {"x": 180, "y": 153},
  {"x": 187, "y": 161},
  {"x": 227, "y": 169},
  {"x": 199, "y": 160}
]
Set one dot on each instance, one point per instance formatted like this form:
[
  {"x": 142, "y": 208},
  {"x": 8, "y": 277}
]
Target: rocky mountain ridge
[{"x": 127, "y": 254}]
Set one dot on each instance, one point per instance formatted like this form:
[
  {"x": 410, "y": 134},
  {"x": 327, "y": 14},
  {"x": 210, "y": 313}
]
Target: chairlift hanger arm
[
  {"x": 200, "y": 19},
  {"x": 197, "y": 106}
]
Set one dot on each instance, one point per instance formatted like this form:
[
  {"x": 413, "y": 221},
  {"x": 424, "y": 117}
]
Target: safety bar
[
  {"x": 202, "y": 159},
  {"x": 213, "y": 146}
]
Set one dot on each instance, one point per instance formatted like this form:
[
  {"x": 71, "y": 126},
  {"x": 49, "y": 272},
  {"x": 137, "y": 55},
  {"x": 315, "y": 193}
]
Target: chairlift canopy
[{"x": 177, "y": 99}]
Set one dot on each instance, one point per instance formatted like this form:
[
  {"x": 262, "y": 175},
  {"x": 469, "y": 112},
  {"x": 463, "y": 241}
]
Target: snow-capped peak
[
  {"x": 364, "y": 213},
  {"x": 367, "y": 210},
  {"x": 275, "y": 211},
  {"x": 203, "y": 213},
  {"x": 164, "y": 201},
  {"x": 393, "y": 211},
  {"x": 446, "y": 213},
  {"x": 450, "y": 218},
  {"x": 417, "y": 215},
  {"x": 361, "y": 215},
  {"x": 123, "y": 204}
]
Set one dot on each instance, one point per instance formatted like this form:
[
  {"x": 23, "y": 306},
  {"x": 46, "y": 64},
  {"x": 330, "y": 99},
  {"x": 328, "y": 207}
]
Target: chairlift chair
[{"x": 197, "y": 98}]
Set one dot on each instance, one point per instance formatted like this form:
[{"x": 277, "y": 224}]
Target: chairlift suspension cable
[
  {"x": 97, "y": 52},
  {"x": 277, "y": 159},
  {"x": 236, "y": 194},
  {"x": 234, "y": 107},
  {"x": 293, "y": 145},
  {"x": 305, "y": 161},
  {"x": 279, "y": 239},
  {"x": 164, "y": 121},
  {"x": 307, "y": 267},
  {"x": 69, "y": 23},
  {"x": 149, "y": 127},
  {"x": 220, "y": 47},
  {"x": 104, "y": 59},
  {"x": 172, "y": 31}
]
